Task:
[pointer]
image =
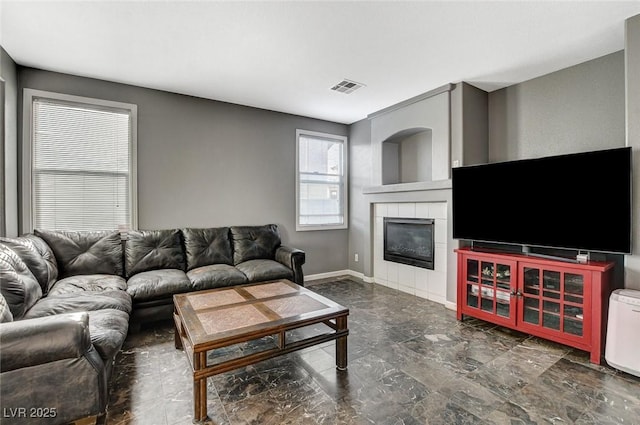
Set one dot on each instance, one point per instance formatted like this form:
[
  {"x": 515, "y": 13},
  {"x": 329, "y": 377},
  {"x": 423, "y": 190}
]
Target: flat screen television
[{"x": 578, "y": 201}]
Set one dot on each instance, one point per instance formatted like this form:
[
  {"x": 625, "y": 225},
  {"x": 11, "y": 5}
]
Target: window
[
  {"x": 321, "y": 191},
  {"x": 79, "y": 171}
]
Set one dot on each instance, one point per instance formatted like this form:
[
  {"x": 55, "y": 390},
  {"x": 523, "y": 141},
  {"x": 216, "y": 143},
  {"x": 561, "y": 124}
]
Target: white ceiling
[{"x": 285, "y": 56}]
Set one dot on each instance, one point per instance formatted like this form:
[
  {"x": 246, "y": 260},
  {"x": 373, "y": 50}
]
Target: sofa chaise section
[{"x": 65, "y": 315}]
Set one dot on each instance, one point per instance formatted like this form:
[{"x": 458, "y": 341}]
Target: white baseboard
[
  {"x": 451, "y": 305},
  {"x": 337, "y": 273},
  {"x": 360, "y": 276}
]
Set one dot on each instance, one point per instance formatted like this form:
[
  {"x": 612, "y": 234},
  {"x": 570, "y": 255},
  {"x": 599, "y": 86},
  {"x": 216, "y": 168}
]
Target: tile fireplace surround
[{"x": 424, "y": 283}]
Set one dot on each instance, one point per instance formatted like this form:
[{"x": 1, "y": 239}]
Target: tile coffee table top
[{"x": 230, "y": 312}]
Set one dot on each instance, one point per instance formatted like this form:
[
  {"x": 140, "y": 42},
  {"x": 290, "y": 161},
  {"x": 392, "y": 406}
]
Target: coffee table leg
[
  {"x": 199, "y": 389},
  {"x": 341, "y": 344},
  {"x": 177, "y": 339}
]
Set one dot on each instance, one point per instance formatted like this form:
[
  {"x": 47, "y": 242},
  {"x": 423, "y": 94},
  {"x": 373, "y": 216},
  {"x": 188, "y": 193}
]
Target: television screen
[{"x": 579, "y": 201}]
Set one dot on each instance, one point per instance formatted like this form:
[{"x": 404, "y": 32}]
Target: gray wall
[
  {"x": 360, "y": 175},
  {"x": 576, "y": 109},
  {"x": 475, "y": 125},
  {"x": 632, "y": 75},
  {"x": 203, "y": 163},
  {"x": 469, "y": 125},
  {"x": 9, "y": 150}
]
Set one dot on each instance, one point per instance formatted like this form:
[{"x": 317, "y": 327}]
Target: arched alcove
[{"x": 407, "y": 156}]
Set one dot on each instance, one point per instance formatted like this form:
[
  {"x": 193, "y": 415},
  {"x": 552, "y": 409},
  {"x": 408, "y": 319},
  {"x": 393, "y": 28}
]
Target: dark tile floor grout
[{"x": 410, "y": 362}]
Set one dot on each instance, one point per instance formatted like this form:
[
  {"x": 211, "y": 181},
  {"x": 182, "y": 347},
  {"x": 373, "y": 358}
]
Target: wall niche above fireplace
[
  {"x": 407, "y": 156},
  {"x": 411, "y": 141}
]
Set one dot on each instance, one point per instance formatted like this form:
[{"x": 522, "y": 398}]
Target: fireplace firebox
[{"x": 409, "y": 241}]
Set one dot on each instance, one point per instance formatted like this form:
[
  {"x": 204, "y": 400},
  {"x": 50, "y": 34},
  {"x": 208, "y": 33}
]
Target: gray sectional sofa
[{"x": 68, "y": 299}]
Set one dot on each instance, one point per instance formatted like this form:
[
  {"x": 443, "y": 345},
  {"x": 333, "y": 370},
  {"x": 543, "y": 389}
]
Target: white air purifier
[{"x": 623, "y": 331}]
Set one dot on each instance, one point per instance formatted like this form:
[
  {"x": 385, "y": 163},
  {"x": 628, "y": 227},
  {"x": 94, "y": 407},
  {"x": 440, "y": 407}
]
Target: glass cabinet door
[
  {"x": 489, "y": 287},
  {"x": 473, "y": 280},
  {"x": 552, "y": 300},
  {"x": 573, "y": 309},
  {"x": 531, "y": 295}
]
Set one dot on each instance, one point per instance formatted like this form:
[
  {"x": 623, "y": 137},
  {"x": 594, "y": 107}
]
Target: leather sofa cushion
[
  {"x": 155, "y": 284},
  {"x": 108, "y": 330},
  {"x": 207, "y": 246},
  {"x": 38, "y": 257},
  {"x": 85, "y": 252},
  {"x": 5, "y": 313},
  {"x": 254, "y": 242},
  {"x": 18, "y": 286},
  {"x": 216, "y": 276},
  {"x": 88, "y": 283},
  {"x": 260, "y": 270},
  {"x": 85, "y": 301},
  {"x": 153, "y": 250}
]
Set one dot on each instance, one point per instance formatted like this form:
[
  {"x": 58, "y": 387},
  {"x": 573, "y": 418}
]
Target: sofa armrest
[
  {"x": 41, "y": 340},
  {"x": 294, "y": 259}
]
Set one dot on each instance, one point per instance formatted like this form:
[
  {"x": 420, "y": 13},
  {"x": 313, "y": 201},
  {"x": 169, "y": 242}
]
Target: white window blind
[
  {"x": 81, "y": 166},
  {"x": 321, "y": 181}
]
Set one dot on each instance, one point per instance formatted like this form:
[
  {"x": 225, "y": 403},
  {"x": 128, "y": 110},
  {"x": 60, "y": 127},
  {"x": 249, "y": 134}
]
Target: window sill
[{"x": 319, "y": 227}]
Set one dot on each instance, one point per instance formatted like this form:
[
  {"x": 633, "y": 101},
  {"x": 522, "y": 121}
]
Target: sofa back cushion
[
  {"x": 205, "y": 247},
  {"x": 81, "y": 253},
  {"x": 38, "y": 257},
  {"x": 254, "y": 242},
  {"x": 152, "y": 250},
  {"x": 18, "y": 286}
]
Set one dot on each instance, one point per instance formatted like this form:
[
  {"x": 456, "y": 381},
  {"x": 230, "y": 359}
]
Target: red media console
[{"x": 560, "y": 301}]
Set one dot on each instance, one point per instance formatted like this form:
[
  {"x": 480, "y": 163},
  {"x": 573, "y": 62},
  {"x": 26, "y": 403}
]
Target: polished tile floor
[{"x": 410, "y": 362}]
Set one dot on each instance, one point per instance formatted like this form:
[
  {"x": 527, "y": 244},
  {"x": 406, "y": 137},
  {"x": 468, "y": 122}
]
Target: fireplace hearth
[{"x": 409, "y": 241}]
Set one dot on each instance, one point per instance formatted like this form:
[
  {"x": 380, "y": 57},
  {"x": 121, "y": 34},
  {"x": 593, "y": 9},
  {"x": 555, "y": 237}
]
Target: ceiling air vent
[{"x": 347, "y": 86}]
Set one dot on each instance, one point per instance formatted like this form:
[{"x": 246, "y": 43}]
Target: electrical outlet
[{"x": 355, "y": 257}]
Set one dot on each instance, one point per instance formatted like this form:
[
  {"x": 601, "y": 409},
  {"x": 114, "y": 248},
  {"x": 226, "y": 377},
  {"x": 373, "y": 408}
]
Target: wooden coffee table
[{"x": 217, "y": 318}]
